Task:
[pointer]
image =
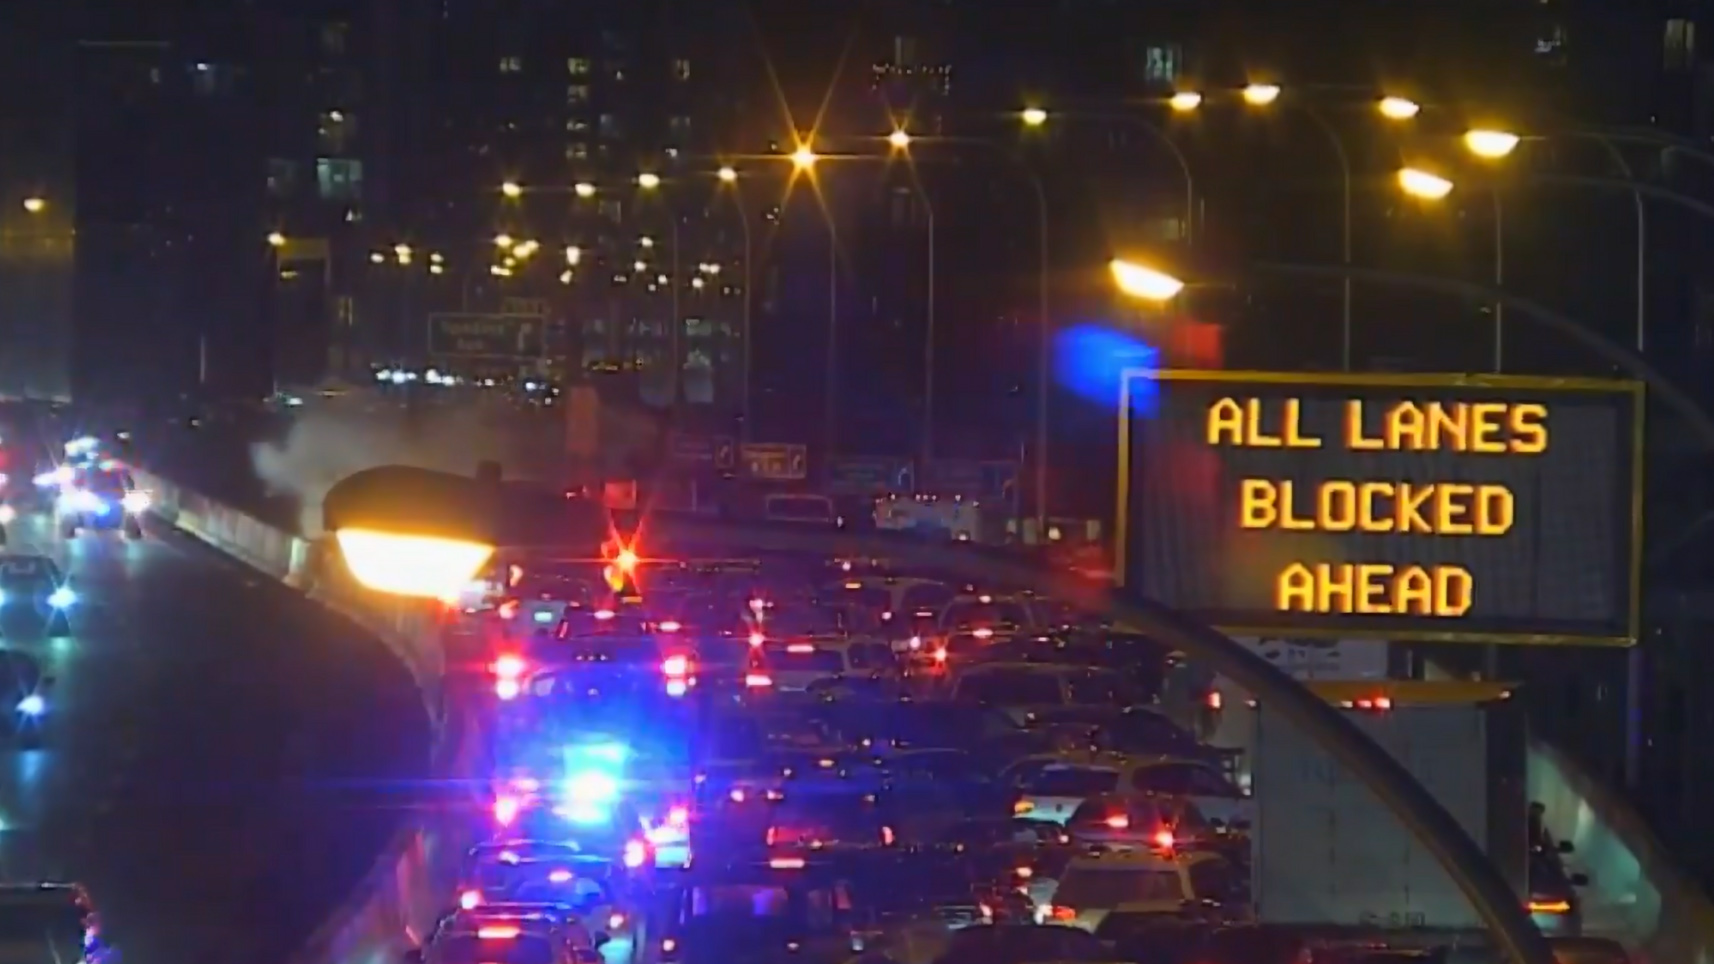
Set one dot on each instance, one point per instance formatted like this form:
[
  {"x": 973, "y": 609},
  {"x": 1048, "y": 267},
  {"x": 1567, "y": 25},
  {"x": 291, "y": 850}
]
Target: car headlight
[
  {"x": 32, "y": 705},
  {"x": 592, "y": 788},
  {"x": 135, "y": 502},
  {"x": 8, "y": 514},
  {"x": 62, "y": 597}
]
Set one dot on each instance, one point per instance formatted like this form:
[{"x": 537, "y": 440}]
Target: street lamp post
[
  {"x": 804, "y": 160},
  {"x": 900, "y": 140},
  {"x": 729, "y": 176}
]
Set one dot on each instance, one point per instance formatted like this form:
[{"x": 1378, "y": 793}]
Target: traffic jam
[{"x": 781, "y": 759}]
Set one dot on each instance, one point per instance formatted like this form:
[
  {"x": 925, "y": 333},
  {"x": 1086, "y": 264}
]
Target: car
[
  {"x": 806, "y": 664},
  {"x": 1553, "y": 902},
  {"x": 1058, "y": 786},
  {"x": 103, "y": 498},
  {"x": 528, "y": 935},
  {"x": 1026, "y": 944},
  {"x": 55, "y": 920},
  {"x": 1099, "y": 886},
  {"x": 777, "y": 908},
  {"x": 34, "y": 591},
  {"x": 585, "y": 885}
]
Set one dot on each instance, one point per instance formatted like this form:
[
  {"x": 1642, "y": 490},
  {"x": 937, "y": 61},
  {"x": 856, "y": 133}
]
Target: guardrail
[
  {"x": 1633, "y": 881},
  {"x": 407, "y": 889}
]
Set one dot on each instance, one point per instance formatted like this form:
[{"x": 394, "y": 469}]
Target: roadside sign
[
  {"x": 774, "y": 461},
  {"x": 869, "y": 476},
  {"x": 474, "y": 335},
  {"x": 716, "y": 450},
  {"x": 971, "y": 479}
]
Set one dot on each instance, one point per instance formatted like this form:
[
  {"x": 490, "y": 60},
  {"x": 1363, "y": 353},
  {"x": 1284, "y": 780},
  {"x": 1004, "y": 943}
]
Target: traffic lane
[{"x": 225, "y": 760}]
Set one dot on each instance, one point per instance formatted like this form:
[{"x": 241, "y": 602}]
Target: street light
[
  {"x": 900, "y": 139},
  {"x": 1491, "y": 144},
  {"x": 648, "y": 180},
  {"x": 1185, "y": 101},
  {"x": 1034, "y": 117},
  {"x": 573, "y": 255},
  {"x": 804, "y": 158},
  {"x": 504, "y": 241},
  {"x": 276, "y": 239},
  {"x": 583, "y": 189},
  {"x": 727, "y": 174},
  {"x": 35, "y": 205},
  {"x": 1261, "y": 95},
  {"x": 1144, "y": 282},
  {"x": 1398, "y": 108},
  {"x": 1420, "y": 183},
  {"x": 512, "y": 189}
]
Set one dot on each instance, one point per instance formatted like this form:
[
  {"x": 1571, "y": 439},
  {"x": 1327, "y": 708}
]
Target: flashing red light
[
  {"x": 626, "y": 559},
  {"x": 675, "y": 666},
  {"x": 800, "y": 648},
  {"x": 1061, "y": 912},
  {"x": 470, "y": 900},
  {"x": 787, "y": 863},
  {"x": 940, "y": 655},
  {"x": 509, "y": 666},
  {"x": 1119, "y": 822},
  {"x": 757, "y": 639},
  {"x": 1214, "y": 699},
  {"x": 671, "y": 626},
  {"x": 758, "y": 681},
  {"x": 506, "y": 810},
  {"x": 509, "y": 610},
  {"x": 636, "y": 853},
  {"x": 604, "y": 614},
  {"x": 1164, "y": 839},
  {"x": 983, "y": 633}
]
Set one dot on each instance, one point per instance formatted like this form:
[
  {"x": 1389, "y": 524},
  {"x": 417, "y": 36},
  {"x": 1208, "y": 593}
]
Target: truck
[{"x": 1326, "y": 854}]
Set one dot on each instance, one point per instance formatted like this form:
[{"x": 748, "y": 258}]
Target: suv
[{"x": 101, "y": 498}]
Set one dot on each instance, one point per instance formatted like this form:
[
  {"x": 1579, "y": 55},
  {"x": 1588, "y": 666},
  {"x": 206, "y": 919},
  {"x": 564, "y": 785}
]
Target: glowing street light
[
  {"x": 1491, "y": 144},
  {"x": 573, "y": 255},
  {"x": 900, "y": 139},
  {"x": 1419, "y": 183},
  {"x": 1034, "y": 117},
  {"x": 504, "y": 241},
  {"x": 583, "y": 189},
  {"x": 276, "y": 239},
  {"x": 35, "y": 205},
  {"x": 1261, "y": 95},
  {"x": 727, "y": 174},
  {"x": 648, "y": 180},
  {"x": 1398, "y": 108},
  {"x": 1185, "y": 101},
  {"x": 803, "y": 158},
  {"x": 403, "y": 253},
  {"x": 512, "y": 189},
  {"x": 1142, "y": 281}
]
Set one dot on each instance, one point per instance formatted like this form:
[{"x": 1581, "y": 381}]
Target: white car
[
  {"x": 1093, "y": 888},
  {"x": 800, "y": 663},
  {"x": 1052, "y": 788}
]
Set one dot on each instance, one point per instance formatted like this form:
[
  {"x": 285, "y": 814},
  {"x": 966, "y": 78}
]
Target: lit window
[
  {"x": 1680, "y": 52},
  {"x": 511, "y": 65},
  {"x": 576, "y": 151},
  {"x": 681, "y": 68},
  {"x": 577, "y": 94},
  {"x": 339, "y": 178},
  {"x": 577, "y": 125},
  {"x": 1161, "y": 65},
  {"x": 577, "y": 66}
]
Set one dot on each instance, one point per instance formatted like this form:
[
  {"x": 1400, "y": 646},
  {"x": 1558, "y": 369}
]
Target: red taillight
[
  {"x": 983, "y": 634},
  {"x": 757, "y": 639},
  {"x": 506, "y": 810},
  {"x": 1164, "y": 839},
  {"x": 800, "y": 648},
  {"x": 940, "y": 655},
  {"x": 509, "y": 610},
  {"x": 758, "y": 681},
  {"x": 787, "y": 863},
  {"x": 496, "y": 933},
  {"x": 676, "y": 666},
  {"x": 678, "y": 816},
  {"x": 509, "y": 666},
  {"x": 671, "y": 626},
  {"x": 1061, "y": 912},
  {"x": 1214, "y": 699},
  {"x": 1119, "y": 821},
  {"x": 470, "y": 899},
  {"x": 636, "y": 853}
]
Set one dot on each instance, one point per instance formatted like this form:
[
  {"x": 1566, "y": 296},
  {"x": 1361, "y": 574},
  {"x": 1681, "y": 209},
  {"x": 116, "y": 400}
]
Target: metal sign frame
[{"x": 1400, "y": 382}]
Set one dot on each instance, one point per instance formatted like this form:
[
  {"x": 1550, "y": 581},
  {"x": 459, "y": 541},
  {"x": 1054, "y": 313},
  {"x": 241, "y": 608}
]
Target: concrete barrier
[
  {"x": 1636, "y": 893},
  {"x": 412, "y": 882}
]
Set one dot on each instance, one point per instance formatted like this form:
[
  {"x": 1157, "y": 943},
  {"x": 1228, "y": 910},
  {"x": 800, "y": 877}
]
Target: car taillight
[
  {"x": 671, "y": 626},
  {"x": 1118, "y": 821},
  {"x": 1550, "y": 907},
  {"x": 1214, "y": 699},
  {"x": 508, "y": 610},
  {"x": 983, "y": 633},
  {"x": 470, "y": 899},
  {"x": 757, "y": 639},
  {"x": 940, "y": 655},
  {"x": 675, "y": 666},
  {"x": 1062, "y": 912},
  {"x": 1024, "y": 873},
  {"x": 506, "y": 810},
  {"x": 509, "y": 666},
  {"x": 800, "y": 648},
  {"x": 758, "y": 680},
  {"x": 678, "y": 816},
  {"x": 496, "y": 933},
  {"x": 1164, "y": 839},
  {"x": 636, "y": 853}
]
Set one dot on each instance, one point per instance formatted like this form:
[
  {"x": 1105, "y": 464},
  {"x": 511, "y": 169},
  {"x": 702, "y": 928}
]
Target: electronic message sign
[{"x": 1405, "y": 507}]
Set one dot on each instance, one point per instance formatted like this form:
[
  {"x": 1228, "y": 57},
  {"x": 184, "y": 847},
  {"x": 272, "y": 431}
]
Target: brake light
[
  {"x": 1164, "y": 839},
  {"x": 757, "y": 639},
  {"x": 603, "y": 614},
  {"x": 671, "y": 626},
  {"x": 1214, "y": 700},
  {"x": 786, "y": 863},
  {"x": 758, "y": 681},
  {"x": 1118, "y": 821},
  {"x": 800, "y": 648},
  {"x": 915, "y": 643},
  {"x": 675, "y": 666},
  {"x": 508, "y": 689},
  {"x": 736, "y": 796},
  {"x": 1061, "y": 912},
  {"x": 506, "y": 810},
  {"x": 983, "y": 633},
  {"x": 940, "y": 655},
  {"x": 560, "y": 877},
  {"x": 509, "y": 610},
  {"x": 1550, "y": 906},
  {"x": 470, "y": 900},
  {"x": 509, "y": 666},
  {"x": 1025, "y": 873},
  {"x": 497, "y": 933},
  {"x": 636, "y": 853}
]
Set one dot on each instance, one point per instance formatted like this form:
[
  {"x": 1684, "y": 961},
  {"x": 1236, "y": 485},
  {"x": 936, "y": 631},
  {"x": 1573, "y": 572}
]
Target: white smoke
[{"x": 330, "y": 439}]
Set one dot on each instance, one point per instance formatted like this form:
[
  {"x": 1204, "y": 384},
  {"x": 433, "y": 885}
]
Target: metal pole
[
  {"x": 1344, "y": 157},
  {"x": 1499, "y": 281},
  {"x": 1165, "y": 141},
  {"x": 928, "y": 344},
  {"x": 1043, "y": 350},
  {"x": 830, "y": 437}
]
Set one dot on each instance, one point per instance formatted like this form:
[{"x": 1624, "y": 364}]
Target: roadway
[{"x": 227, "y": 759}]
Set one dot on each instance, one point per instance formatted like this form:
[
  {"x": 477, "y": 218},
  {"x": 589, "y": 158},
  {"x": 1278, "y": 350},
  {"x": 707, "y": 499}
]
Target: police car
[{"x": 102, "y": 498}]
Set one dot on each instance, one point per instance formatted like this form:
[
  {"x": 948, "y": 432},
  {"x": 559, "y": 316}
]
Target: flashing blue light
[
  {"x": 592, "y": 787},
  {"x": 62, "y": 597},
  {"x": 1091, "y": 362},
  {"x": 32, "y": 705},
  {"x": 608, "y": 752}
]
